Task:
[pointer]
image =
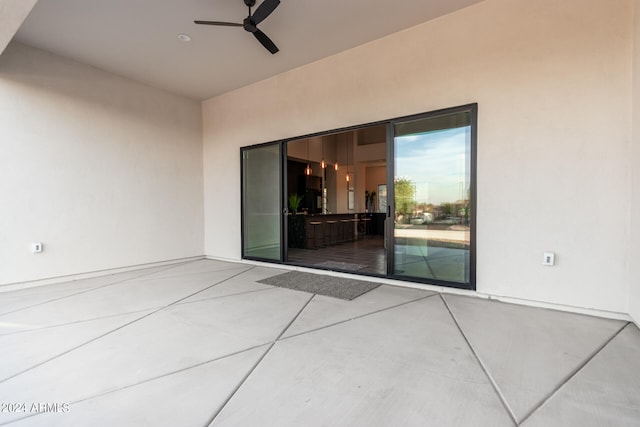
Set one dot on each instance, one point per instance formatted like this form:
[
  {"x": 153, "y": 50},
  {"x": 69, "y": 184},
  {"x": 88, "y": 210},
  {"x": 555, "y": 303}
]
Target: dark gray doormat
[{"x": 336, "y": 287}]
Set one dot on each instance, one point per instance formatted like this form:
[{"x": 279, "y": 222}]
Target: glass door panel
[
  {"x": 261, "y": 200},
  {"x": 432, "y": 187}
]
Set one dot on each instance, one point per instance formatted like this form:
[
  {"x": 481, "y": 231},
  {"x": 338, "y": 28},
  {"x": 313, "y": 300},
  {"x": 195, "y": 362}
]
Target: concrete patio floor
[{"x": 202, "y": 343}]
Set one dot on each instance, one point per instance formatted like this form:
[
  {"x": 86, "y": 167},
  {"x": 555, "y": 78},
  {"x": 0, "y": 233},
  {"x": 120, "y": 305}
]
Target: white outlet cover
[{"x": 549, "y": 259}]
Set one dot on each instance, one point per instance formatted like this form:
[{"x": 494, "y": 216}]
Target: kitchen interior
[{"x": 336, "y": 198}]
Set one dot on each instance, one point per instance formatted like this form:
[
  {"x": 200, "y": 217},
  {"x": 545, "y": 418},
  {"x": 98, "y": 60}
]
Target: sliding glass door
[
  {"x": 421, "y": 177},
  {"x": 261, "y": 202},
  {"x": 432, "y": 218}
]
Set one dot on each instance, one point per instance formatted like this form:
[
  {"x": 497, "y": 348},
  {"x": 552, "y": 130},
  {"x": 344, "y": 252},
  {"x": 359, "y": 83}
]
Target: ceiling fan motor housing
[
  {"x": 250, "y": 3},
  {"x": 249, "y": 25}
]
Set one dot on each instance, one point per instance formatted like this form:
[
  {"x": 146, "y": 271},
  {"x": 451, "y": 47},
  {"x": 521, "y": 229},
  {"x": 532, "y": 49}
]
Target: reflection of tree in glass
[
  {"x": 405, "y": 191},
  {"x": 467, "y": 208},
  {"x": 424, "y": 207},
  {"x": 447, "y": 209}
]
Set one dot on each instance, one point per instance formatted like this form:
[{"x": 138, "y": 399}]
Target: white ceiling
[{"x": 138, "y": 38}]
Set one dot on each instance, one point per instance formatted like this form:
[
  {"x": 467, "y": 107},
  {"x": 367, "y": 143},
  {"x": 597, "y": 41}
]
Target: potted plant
[
  {"x": 294, "y": 203},
  {"x": 369, "y": 200}
]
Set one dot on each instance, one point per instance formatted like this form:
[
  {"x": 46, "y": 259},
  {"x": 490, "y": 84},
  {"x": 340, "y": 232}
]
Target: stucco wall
[
  {"x": 104, "y": 171},
  {"x": 12, "y": 14},
  {"x": 375, "y": 175},
  {"x": 553, "y": 84},
  {"x": 634, "y": 158}
]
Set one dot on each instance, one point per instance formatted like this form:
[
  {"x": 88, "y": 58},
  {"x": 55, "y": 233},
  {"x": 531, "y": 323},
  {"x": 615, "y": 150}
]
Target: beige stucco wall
[
  {"x": 552, "y": 80},
  {"x": 12, "y": 14},
  {"x": 104, "y": 171},
  {"x": 634, "y": 159},
  {"x": 375, "y": 175}
]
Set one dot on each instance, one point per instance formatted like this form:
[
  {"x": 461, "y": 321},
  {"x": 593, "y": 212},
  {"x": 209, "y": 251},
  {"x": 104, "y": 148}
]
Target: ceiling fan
[{"x": 251, "y": 22}]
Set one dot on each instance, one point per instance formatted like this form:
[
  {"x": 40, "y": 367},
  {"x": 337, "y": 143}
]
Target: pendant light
[
  {"x": 348, "y": 177},
  {"x": 307, "y": 170},
  {"x": 335, "y": 167},
  {"x": 323, "y": 164}
]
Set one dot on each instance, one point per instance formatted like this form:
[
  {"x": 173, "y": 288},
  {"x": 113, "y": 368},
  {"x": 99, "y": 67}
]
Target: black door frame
[
  {"x": 389, "y": 231},
  {"x": 389, "y": 237},
  {"x": 243, "y": 213}
]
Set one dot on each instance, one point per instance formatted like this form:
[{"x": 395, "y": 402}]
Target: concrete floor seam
[
  {"x": 115, "y": 330},
  {"x": 90, "y": 290},
  {"x": 572, "y": 374},
  {"x": 207, "y": 288},
  {"x": 168, "y": 374},
  {"x": 157, "y": 377},
  {"x": 360, "y": 316},
  {"x": 76, "y": 322},
  {"x": 130, "y": 312},
  {"x": 255, "y": 366},
  {"x": 226, "y": 296},
  {"x": 187, "y": 275},
  {"x": 495, "y": 386},
  {"x": 395, "y": 357}
]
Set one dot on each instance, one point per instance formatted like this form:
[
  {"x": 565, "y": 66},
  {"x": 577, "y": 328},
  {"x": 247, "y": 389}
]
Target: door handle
[{"x": 388, "y": 211}]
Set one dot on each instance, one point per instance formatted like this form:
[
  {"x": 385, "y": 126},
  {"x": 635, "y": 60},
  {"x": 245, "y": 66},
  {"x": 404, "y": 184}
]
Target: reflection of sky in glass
[{"x": 436, "y": 162}]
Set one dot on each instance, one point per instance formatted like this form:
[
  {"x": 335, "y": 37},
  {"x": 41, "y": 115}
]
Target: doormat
[
  {"x": 348, "y": 266},
  {"x": 335, "y": 287}
]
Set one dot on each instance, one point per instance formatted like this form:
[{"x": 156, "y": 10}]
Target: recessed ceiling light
[{"x": 184, "y": 37}]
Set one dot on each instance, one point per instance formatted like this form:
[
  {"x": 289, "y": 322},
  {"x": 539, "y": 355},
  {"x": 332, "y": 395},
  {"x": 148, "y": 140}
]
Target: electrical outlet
[
  {"x": 37, "y": 247},
  {"x": 549, "y": 259}
]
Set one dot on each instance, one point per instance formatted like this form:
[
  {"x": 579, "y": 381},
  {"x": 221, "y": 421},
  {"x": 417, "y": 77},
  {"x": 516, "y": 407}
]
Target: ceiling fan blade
[
  {"x": 266, "y": 42},
  {"x": 223, "y": 24},
  {"x": 264, "y": 10}
]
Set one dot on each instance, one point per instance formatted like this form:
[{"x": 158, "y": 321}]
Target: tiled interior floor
[
  {"x": 367, "y": 253},
  {"x": 202, "y": 343}
]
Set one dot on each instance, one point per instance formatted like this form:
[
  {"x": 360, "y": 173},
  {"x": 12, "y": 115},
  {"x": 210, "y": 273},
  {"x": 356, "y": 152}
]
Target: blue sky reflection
[{"x": 437, "y": 162}]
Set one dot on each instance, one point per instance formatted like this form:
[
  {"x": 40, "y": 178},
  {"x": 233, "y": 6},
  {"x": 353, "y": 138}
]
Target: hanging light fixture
[
  {"x": 335, "y": 167},
  {"x": 307, "y": 170},
  {"x": 348, "y": 176},
  {"x": 323, "y": 164}
]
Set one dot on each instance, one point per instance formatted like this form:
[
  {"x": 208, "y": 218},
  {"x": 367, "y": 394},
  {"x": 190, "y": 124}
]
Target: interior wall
[
  {"x": 553, "y": 84},
  {"x": 104, "y": 171},
  {"x": 634, "y": 265},
  {"x": 12, "y": 15},
  {"x": 376, "y": 175}
]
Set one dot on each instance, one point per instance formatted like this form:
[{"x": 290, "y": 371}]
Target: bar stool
[
  {"x": 367, "y": 222},
  {"x": 316, "y": 226},
  {"x": 347, "y": 230},
  {"x": 331, "y": 232},
  {"x": 340, "y": 237},
  {"x": 355, "y": 228}
]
